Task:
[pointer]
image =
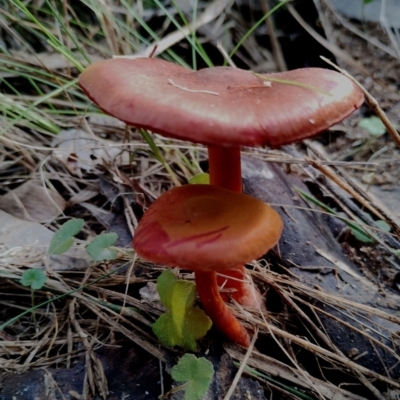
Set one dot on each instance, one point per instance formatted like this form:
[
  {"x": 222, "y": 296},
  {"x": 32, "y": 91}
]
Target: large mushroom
[{"x": 223, "y": 108}]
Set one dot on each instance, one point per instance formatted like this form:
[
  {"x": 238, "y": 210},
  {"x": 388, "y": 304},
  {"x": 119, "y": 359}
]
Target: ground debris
[
  {"x": 349, "y": 308},
  {"x": 130, "y": 372}
]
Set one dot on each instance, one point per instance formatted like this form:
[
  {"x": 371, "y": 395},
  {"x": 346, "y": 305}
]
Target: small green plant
[
  {"x": 356, "y": 229},
  {"x": 196, "y": 373},
  {"x": 396, "y": 253},
  {"x": 35, "y": 278},
  {"x": 360, "y": 236},
  {"x": 63, "y": 239},
  {"x": 373, "y": 125},
  {"x": 183, "y": 323},
  {"x": 99, "y": 249},
  {"x": 202, "y": 178},
  {"x": 67, "y": 293}
]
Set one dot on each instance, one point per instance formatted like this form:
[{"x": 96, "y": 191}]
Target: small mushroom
[
  {"x": 208, "y": 229},
  {"x": 223, "y": 108}
]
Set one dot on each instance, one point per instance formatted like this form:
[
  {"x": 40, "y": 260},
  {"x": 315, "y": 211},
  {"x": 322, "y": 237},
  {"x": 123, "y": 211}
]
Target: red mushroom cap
[
  {"x": 222, "y": 105},
  {"x": 206, "y": 228}
]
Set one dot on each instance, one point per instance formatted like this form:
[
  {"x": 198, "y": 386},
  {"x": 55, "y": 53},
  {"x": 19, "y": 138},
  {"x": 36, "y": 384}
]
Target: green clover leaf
[
  {"x": 34, "y": 277},
  {"x": 183, "y": 297},
  {"x": 99, "y": 248},
  {"x": 183, "y": 324},
  {"x": 63, "y": 240},
  {"x": 165, "y": 283},
  {"x": 373, "y": 125},
  {"x": 196, "y": 372}
]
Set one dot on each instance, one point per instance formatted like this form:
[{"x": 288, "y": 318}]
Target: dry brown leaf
[
  {"x": 25, "y": 243},
  {"x": 79, "y": 150},
  {"x": 33, "y": 202}
]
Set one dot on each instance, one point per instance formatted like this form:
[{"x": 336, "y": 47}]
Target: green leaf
[
  {"x": 183, "y": 324},
  {"x": 183, "y": 298},
  {"x": 165, "y": 284},
  {"x": 63, "y": 239},
  {"x": 356, "y": 229},
  {"x": 164, "y": 329},
  {"x": 196, "y": 326},
  {"x": 373, "y": 125},
  {"x": 202, "y": 178},
  {"x": 34, "y": 277},
  {"x": 196, "y": 372},
  {"x": 361, "y": 236},
  {"x": 383, "y": 225},
  {"x": 396, "y": 253},
  {"x": 99, "y": 248}
]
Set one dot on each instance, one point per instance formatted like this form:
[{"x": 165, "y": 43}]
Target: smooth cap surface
[
  {"x": 222, "y": 105},
  {"x": 207, "y": 228}
]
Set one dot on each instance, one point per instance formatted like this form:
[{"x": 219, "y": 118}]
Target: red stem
[
  {"x": 225, "y": 171},
  {"x": 217, "y": 310},
  {"x": 224, "y": 167}
]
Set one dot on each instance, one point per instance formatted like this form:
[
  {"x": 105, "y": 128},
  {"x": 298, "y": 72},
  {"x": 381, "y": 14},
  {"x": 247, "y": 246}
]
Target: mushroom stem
[
  {"x": 238, "y": 286},
  {"x": 217, "y": 310},
  {"x": 225, "y": 171},
  {"x": 224, "y": 167}
]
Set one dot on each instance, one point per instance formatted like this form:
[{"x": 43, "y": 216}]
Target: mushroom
[
  {"x": 205, "y": 228},
  {"x": 224, "y": 108}
]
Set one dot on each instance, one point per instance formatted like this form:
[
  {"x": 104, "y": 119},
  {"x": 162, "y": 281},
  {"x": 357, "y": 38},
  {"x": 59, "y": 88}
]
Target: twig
[
  {"x": 225, "y": 55},
  {"x": 350, "y": 27},
  {"x": 371, "y": 101},
  {"x": 242, "y": 367},
  {"x": 335, "y": 50},
  {"x": 275, "y": 45},
  {"x": 213, "y": 10},
  {"x": 171, "y": 82},
  {"x": 345, "y": 186},
  {"x": 385, "y": 24}
]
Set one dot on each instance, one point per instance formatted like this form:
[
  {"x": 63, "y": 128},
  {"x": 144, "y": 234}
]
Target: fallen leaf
[
  {"x": 32, "y": 201},
  {"x": 26, "y": 243},
  {"x": 79, "y": 150},
  {"x": 149, "y": 294}
]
